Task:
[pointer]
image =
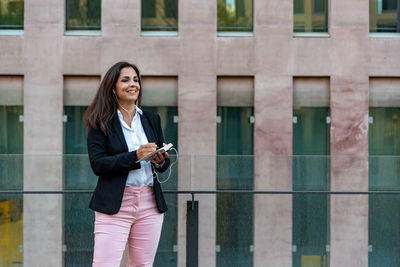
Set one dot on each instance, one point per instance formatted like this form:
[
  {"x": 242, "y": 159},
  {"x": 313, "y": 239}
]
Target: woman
[{"x": 128, "y": 201}]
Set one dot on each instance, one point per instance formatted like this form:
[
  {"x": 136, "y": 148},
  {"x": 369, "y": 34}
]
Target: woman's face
[{"x": 127, "y": 87}]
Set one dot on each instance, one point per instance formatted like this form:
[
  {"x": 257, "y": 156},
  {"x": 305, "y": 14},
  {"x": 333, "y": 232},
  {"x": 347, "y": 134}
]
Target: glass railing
[{"x": 234, "y": 202}]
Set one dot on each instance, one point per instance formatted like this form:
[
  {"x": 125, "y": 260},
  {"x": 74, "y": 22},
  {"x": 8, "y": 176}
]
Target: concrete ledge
[
  {"x": 82, "y": 33},
  {"x": 11, "y": 32},
  {"x": 159, "y": 33},
  {"x": 235, "y": 34},
  {"x": 311, "y": 35},
  {"x": 384, "y": 35}
]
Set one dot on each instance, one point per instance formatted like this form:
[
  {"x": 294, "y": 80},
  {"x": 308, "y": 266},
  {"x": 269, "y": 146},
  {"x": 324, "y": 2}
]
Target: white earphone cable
[{"x": 170, "y": 168}]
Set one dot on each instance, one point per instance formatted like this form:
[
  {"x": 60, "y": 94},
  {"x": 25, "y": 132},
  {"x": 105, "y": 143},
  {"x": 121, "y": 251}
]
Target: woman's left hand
[{"x": 160, "y": 156}]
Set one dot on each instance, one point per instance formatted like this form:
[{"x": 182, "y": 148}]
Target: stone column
[
  {"x": 197, "y": 92},
  {"x": 43, "y": 109},
  {"x": 120, "y": 29},
  {"x": 349, "y": 132},
  {"x": 273, "y": 133}
]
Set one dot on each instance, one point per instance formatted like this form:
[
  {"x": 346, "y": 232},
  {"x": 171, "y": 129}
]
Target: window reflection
[
  {"x": 235, "y": 15},
  {"x": 77, "y": 175},
  {"x": 11, "y": 14},
  {"x": 83, "y": 15},
  {"x": 310, "y": 172},
  {"x": 235, "y": 172},
  {"x": 384, "y": 174},
  {"x": 11, "y": 178},
  {"x": 310, "y": 15},
  {"x": 159, "y": 15},
  {"x": 384, "y": 16}
]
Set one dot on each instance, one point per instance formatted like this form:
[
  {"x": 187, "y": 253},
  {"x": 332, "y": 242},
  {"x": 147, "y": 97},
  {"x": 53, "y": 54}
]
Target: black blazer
[{"x": 111, "y": 161}]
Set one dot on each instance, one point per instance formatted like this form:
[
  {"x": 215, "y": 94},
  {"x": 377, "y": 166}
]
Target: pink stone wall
[{"x": 273, "y": 56}]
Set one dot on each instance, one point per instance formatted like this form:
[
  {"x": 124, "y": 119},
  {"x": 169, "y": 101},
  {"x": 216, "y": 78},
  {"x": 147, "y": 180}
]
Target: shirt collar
[{"x": 138, "y": 110}]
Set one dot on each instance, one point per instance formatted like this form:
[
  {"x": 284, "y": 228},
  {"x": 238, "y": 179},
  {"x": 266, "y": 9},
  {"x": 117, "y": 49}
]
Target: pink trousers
[{"x": 138, "y": 222}]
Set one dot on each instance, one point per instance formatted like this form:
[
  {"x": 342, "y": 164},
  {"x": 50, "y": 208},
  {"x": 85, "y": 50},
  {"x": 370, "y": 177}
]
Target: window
[
  {"x": 235, "y": 15},
  {"x": 383, "y": 16},
  {"x": 11, "y": 178},
  {"x": 310, "y": 15},
  {"x": 235, "y": 172},
  {"x": 12, "y": 14},
  {"x": 83, "y": 15},
  {"x": 159, "y": 15},
  {"x": 310, "y": 172},
  {"x": 384, "y": 174},
  {"x": 78, "y": 219}
]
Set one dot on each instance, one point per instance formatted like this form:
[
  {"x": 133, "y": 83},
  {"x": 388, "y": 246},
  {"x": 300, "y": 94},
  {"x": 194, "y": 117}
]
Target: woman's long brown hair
[{"x": 104, "y": 106}]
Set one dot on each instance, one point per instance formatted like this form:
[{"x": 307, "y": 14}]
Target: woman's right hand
[{"x": 145, "y": 149}]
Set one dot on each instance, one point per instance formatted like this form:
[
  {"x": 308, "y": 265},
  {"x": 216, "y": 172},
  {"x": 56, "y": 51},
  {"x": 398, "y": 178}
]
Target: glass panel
[
  {"x": 384, "y": 174},
  {"x": 310, "y": 15},
  {"x": 166, "y": 252},
  {"x": 83, "y": 15},
  {"x": 78, "y": 219},
  {"x": 159, "y": 15},
  {"x": 12, "y": 14},
  {"x": 235, "y": 172},
  {"x": 11, "y": 178},
  {"x": 383, "y": 16},
  {"x": 310, "y": 172},
  {"x": 235, "y": 15}
]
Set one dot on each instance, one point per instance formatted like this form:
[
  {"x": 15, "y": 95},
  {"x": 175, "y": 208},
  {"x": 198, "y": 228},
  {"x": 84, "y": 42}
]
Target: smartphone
[{"x": 148, "y": 156}]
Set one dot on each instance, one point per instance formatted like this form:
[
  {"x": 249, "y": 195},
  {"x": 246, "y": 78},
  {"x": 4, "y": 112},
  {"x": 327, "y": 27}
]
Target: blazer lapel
[
  {"x": 147, "y": 128},
  {"x": 118, "y": 131}
]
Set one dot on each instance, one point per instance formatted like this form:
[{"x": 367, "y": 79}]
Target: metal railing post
[{"x": 192, "y": 234}]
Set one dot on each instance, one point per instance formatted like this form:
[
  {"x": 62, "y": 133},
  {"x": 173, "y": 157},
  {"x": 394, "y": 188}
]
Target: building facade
[{"x": 290, "y": 96}]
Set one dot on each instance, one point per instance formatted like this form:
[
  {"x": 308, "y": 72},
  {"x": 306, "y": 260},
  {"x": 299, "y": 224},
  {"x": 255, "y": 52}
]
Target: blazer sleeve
[
  {"x": 160, "y": 137},
  {"x": 104, "y": 164}
]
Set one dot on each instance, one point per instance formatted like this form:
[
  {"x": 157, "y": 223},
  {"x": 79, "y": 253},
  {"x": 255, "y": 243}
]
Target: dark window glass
[
  {"x": 310, "y": 15},
  {"x": 83, "y": 15},
  {"x": 159, "y": 15},
  {"x": 383, "y": 16},
  {"x": 384, "y": 174},
  {"x": 235, "y": 15},
  {"x": 149, "y": 9},
  {"x": 310, "y": 172},
  {"x": 11, "y": 178},
  {"x": 78, "y": 218},
  {"x": 298, "y": 7},
  {"x": 235, "y": 172},
  {"x": 12, "y": 14},
  {"x": 389, "y": 4},
  {"x": 171, "y": 8}
]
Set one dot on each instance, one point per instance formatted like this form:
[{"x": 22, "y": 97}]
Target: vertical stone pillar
[
  {"x": 197, "y": 91},
  {"x": 43, "y": 107},
  {"x": 349, "y": 132},
  {"x": 120, "y": 30},
  {"x": 273, "y": 133},
  {"x": 273, "y": 171},
  {"x": 349, "y": 170}
]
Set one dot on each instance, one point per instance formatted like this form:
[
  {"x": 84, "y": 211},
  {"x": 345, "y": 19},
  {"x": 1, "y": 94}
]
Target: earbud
[{"x": 114, "y": 92}]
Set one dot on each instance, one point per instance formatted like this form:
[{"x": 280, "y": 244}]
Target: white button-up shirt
[{"x": 135, "y": 137}]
